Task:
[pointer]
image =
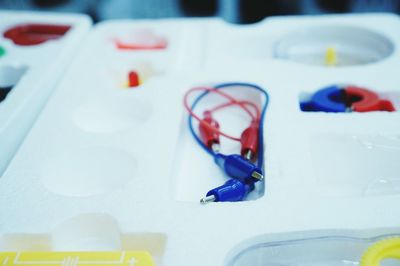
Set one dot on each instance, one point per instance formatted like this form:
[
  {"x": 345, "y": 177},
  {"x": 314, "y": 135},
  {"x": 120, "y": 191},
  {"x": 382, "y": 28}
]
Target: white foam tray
[
  {"x": 109, "y": 168},
  {"x": 42, "y": 66}
]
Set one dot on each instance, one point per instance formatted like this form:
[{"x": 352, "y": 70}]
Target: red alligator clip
[
  {"x": 249, "y": 141},
  {"x": 209, "y": 136}
]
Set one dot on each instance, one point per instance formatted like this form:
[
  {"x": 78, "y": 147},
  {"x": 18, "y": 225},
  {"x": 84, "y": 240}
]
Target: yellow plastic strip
[
  {"x": 109, "y": 258},
  {"x": 385, "y": 249}
]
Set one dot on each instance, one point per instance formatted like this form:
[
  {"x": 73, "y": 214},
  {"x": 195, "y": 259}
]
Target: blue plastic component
[
  {"x": 232, "y": 190},
  {"x": 326, "y": 100},
  {"x": 237, "y": 167}
]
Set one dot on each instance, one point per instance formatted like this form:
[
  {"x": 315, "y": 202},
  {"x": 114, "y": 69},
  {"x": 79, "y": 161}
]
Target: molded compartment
[
  {"x": 144, "y": 39},
  {"x": 356, "y": 165},
  {"x": 145, "y": 70},
  {"x": 350, "y": 45},
  {"x": 112, "y": 115},
  {"x": 195, "y": 172}
]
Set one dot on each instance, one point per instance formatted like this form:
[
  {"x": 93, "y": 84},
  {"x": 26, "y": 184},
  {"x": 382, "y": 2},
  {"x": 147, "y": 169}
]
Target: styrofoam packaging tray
[
  {"x": 119, "y": 169},
  {"x": 36, "y": 68}
]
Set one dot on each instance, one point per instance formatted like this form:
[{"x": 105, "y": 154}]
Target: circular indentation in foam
[
  {"x": 105, "y": 116},
  {"x": 88, "y": 171},
  {"x": 348, "y": 44}
]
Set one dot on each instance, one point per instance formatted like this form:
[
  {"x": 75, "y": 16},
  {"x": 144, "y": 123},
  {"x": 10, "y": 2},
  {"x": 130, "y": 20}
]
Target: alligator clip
[
  {"x": 346, "y": 99},
  {"x": 209, "y": 137}
]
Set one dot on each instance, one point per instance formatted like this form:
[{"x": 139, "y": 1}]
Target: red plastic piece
[
  {"x": 34, "y": 34},
  {"x": 387, "y": 105},
  {"x": 142, "y": 40},
  {"x": 133, "y": 78},
  {"x": 249, "y": 140},
  {"x": 367, "y": 100},
  {"x": 137, "y": 46},
  {"x": 207, "y": 134}
]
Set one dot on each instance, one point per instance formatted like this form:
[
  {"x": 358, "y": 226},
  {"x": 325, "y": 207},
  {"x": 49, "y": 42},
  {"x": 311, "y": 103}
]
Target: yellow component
[
  {"x": 125, "y": 85},
  {"x": 102, "y": 258},
  {"x": 330, "y": 57},
  {"x": 385, "y": 249}
]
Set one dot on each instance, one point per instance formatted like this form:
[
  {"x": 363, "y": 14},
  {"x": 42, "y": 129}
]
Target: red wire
[
  {"x": 233, "y": 101},
  {"x": 227, "y": 104},
  {"x": 223, "y": 94}
]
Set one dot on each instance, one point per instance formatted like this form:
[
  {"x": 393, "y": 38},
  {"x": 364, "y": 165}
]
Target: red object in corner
[{"x": 34, "y": 34}]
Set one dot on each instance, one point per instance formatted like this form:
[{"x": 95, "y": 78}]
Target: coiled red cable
[{"x": 255, "y": 115}]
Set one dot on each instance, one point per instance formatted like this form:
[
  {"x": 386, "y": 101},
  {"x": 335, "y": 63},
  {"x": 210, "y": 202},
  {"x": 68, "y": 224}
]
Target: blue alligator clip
[{"x": 329, "y": 99}]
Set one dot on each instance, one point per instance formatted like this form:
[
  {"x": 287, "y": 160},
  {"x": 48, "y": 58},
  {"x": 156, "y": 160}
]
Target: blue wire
[{"x": 260, "y": 153}]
